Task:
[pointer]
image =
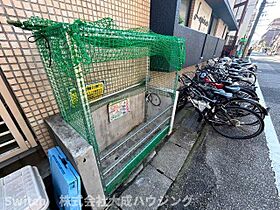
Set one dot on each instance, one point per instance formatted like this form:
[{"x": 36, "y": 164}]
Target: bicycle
[
  {"x": 153, "y": 98},
  {"x": 233, "y": 122},
  {"x": 235, "y": 118}
]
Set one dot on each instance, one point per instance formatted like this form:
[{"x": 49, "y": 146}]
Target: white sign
[{"x": 118, "y": 109}]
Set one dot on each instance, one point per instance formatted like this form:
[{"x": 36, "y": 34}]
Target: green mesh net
[
  {"x": 103, "y": 41},
  {"x": 89, "y": 62},
  {"x": 72, "y": 54}
]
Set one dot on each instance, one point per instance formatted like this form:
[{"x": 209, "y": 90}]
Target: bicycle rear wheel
[
  {"x": 245, "y": 83},
  {"x": 249, "y": 104},
  {"x": 182, "y": 99},
  {"x": 237, "y": 122},
  {"x": 154, "y": 99},
  {"x": 246, "y": 93},
  {"x": 250, "y": 76}
]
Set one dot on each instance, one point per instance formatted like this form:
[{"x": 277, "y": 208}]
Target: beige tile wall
[{"x": 20, "y": 59}]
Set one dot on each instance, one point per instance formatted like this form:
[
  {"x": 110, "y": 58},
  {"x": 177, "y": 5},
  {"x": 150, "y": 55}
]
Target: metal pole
[
  {"x": 254, "y": 27},
  {"x": 245, "y": 4}
]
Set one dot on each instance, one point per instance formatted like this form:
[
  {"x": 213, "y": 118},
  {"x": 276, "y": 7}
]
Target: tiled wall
[{"x": 20, "y": 59}]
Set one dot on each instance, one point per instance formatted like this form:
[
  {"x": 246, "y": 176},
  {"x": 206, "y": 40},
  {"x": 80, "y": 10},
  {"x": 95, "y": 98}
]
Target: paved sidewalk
[
  {"x": 229, "y": 174},
  {"x": 226, "y": 174}
]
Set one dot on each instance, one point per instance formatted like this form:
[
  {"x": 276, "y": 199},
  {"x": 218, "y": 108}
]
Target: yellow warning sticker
[{"x": 94, "y": 91}]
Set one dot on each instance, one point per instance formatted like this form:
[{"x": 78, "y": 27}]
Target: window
[
  {"x": 224, "y": 32},
  {"x": 184, "y": 12},
  {"x": 213, "y": 25},
  {"x": 230, "y": 40}
]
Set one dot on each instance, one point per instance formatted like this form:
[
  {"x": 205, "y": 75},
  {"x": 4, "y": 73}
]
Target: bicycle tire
[
  {"x": 250, "y": 75},
  {"x": 154, "y": 99},
  {"x": 225, "y": 125},
  {"x": 182, "y": 99},
  {"x": 247, "y": 94},
  {"x": 251, "y": 104},
  {"x": 245, "y": 83}
]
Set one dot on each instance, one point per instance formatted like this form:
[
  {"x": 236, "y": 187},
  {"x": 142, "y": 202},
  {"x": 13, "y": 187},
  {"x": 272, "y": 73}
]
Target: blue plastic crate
[{"x": 66, "y": 181}]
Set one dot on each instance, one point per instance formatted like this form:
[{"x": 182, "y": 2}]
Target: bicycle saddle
[
  {"x": 226, "y": 82},
  {"x": 235, "y": 65},
  {"x": 232, "y": 73},
  {"x": 234, "y": 70},
  {"x": 236, "y": 77},
  {"x": 223, "y": 93},
  {"x": 245, "y": 64},
  {"x": 232, "y": 89}
]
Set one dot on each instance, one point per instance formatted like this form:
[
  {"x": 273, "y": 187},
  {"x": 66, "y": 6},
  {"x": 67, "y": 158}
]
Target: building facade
[
  {"x": 204, "y": 23},
  {"x": 275, "y": 48},
  {"x": 244, "y": 12},
  {"x": 271, "y": 35}
]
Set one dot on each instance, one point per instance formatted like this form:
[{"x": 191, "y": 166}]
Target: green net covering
[
  {"x": 103, "y": 41},
  {"x": 92, "y": 64},
  {"x": 72, "y": 54}
]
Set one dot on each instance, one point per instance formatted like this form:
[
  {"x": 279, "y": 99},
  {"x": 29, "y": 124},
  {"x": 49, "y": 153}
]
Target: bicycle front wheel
[{"x": 228, "y": 122}]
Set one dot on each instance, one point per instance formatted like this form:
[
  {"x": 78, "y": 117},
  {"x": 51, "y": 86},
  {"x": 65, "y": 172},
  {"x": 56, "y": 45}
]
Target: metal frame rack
[{"x": 91, "y": 65}]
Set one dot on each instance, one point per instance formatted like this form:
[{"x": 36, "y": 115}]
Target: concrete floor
[{"x": 235, "y": 174}]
